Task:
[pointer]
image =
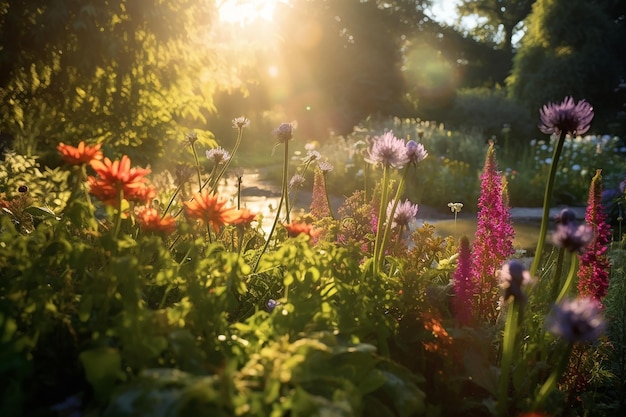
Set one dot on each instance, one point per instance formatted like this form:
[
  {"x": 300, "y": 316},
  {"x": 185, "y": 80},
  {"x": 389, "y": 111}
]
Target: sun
[{"x": 244, "y": 12}]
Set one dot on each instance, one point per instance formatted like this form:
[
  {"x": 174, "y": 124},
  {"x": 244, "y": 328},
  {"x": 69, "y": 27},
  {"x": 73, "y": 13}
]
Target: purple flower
[
  {"x": 312, "y": 155},
  {"x": 567, "y": 117},
  {"x": 387, "y": 150},
  {"x": 218, "y": 155},
  {"x": 513, "y": 276},
  {"x": 578, "y": 320},
  {"x": 296, "y": 181},
  {"x": 325, "y": 166},
  {"x": 415, "y": 152},
  {"x": 595, "y": 265},
  {"x": 405, "y": 212},
  {"x": 571, "y": 237},
  {"x": 271, "y": 305},
  {"x": 240, "y": 122},
  {"x": 284, "y": 132}
]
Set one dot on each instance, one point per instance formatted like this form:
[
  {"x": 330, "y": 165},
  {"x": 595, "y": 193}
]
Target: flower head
[
  {"x": 294, "y": 229},
  {"x": 455, "y": 207},
  {"x": 82, "y": 154},
  {"x": 271, "y": 304},
  {"x": 191, "y": 138},
  {"x": 325, "y": 166},
  {"x": 578, "y": 320},
  {"x": 312, "y": 155},
  {"x": 210, "y": 209},
  {"x": 296, "y": 181},
  {"x": 150, "y": 220},
  {"x": 569, "y": 235},
  {"x": 568, "y": 117},
  {"x": 116, "y": 176},
  {"x": 244, "y": 217},
  {"x": 405, "y": 212},
  {"x": 218, "y": 155},
  {"x": 387, "y": 150},
  {"x": 415, "y": 151},
  {"x": 284, "y": 132},
  {"x": 513, "y": 276},
  {"x": 240, "y": 122}
]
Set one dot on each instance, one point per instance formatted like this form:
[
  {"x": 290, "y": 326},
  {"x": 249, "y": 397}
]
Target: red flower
[
  {"x": 245, "y": 217},
  {"x": 83, "y": 154},
  {"x": 116, "y": 176},
  {"x": 150, "y": 220},
  {"x": 210, "y": 209},
  {"x": 294, "y": 229}
]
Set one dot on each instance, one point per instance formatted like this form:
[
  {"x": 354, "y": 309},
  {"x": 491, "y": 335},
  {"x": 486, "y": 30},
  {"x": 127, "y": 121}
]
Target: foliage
[{"x": 568, "y": 49}]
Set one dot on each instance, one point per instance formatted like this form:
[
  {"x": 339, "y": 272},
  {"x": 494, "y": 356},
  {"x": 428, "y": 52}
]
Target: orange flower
[
  {"x": 150, "y": 220},
  {"x": 116, "y": 176},
  {"x": 294, "y": 229},
  {"x": 83, "y": 154},
  {"x": 210, "y": 209},
  {"x": 245, "y": 217}
]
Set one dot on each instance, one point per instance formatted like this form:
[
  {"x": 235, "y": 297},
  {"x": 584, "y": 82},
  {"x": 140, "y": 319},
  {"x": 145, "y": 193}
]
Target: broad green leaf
[{"x": 103, "y": 367}]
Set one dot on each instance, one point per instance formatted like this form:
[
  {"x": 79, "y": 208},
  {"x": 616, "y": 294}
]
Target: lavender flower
[
  {"x": 405, "y": 212},
  {"x": 513, "y": 276},
  {"x": 312, "y": 155},
  {"x": 284, "y": 132},
  {"x": 572, "y": 237},
  {"x": 567, "y": 117},
  {"x": 415, "y": 152},
  {"x": 578, "y": 320},
  {"x": 218, "y": 155},
  {"x": 296, "y": 181},
  {"x": 387, "y": 150},
  {"x": 593, "y": 274},
  {"x": 325, "y": 166},
  {"x": 240, "y": 122},
  {"x": 271, "y": 305}
]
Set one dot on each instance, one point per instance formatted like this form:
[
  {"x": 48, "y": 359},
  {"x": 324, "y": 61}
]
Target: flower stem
[
  {"x": 508, "y": 349},
  {"x": 280, "y": 204},
  {"x": 195, "y": 157},
  {"x": 330, "y": 207},
  {"x": 381, "y": 217},
  {"x": 553, "y": 379},
  {"x": 545, "y": 217},
  {"x": 569, "y": 280},
  {"x": 232, "y": 155},
  {"x": 392, "y": 214}
]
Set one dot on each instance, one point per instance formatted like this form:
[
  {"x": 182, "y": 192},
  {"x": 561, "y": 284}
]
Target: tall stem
[
  {"x": 384, "y": 192},
  {"x": 225, "y": 166},
  {"x": 280, "y": 204},
  {"x": 195, "y": 157},
  {"x": 392, "y": 214},
  {"x": 330, "y": 207},
  {"x": 569, "y": 281},
  {"x": 553, "y": 379},
  {"x": 545, "y": 217},
  {"x": 508, "y": 350}
]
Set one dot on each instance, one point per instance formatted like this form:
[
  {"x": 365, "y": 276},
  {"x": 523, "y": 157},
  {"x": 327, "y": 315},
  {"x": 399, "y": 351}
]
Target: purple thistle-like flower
[
  {"x": 578, "y": 320},
  {"x": 493, "y": 242},
  {"x": 240, "y": 122},
  {"x": 415, "y": 152},
  {"x": 387, "y": 150},
  {"x": 568, "y": 117},
  {"x": 271, "y": 304},
  {"x": 284, "y": 132},
  {"x": 405, "y": 212},
  {"x": 218, "y": 155},
  {"x": 572, "y": 237},
  {"x": 296, "y": 181},
  {"x": 464, "y": 288},
  {"x": 513, "y": 276},
  {"x": 312, "y": 155},
  {"x": 594, "y": 270},
  {"x": 325, "y": 166}
]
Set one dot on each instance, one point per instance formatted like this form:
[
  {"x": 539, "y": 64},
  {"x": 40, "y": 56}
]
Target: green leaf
[
  {"x": 41, "y": 212},
  {"x": 103, "y": 367}
]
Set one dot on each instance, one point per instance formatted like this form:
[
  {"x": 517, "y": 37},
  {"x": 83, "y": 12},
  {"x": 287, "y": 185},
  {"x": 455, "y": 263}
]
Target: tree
[
  {"x": 570, "y": 50},
  {"x": 501, "y": 17},
  {"x": 134, "y": 74}
]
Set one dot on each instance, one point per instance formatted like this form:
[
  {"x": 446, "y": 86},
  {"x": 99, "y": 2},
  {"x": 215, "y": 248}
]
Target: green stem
[
  {"x": 569, "y": 281},
  {"x": 545, "y": 218},
  {"x": 195, "y": 157},
  {"x": 508, "y": 350},
  {"x": 118, "y": 217},
  {"x": 285, "y": 192},
  {"x": 392, "y": 214},
  {"x": 553, "y": 379},
  {"x": 556, "y": 284},
  {"x": 280, "y": 204},
  {"x": 169, "y": 204},
  {"x": 381, "y": 217}
]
